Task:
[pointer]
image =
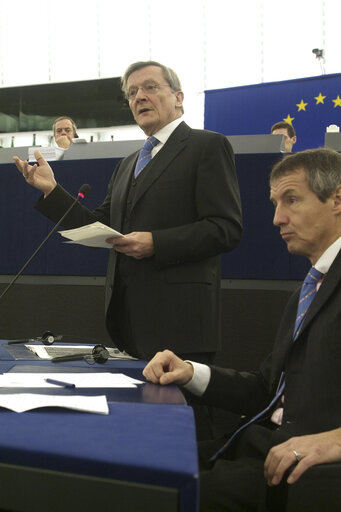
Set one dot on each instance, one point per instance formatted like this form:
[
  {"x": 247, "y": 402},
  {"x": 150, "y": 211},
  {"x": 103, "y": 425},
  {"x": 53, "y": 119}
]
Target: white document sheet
[
  {"x": 80, "y": 380},
  {"x": 92, "y": 235},
  {"x": 63, "y": 349},
  {"x": 21, "y": 402}
]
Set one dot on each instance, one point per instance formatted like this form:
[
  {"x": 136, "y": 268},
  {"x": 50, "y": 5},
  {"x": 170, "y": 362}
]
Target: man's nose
[
  {"x": 140, "y": 93},
  {"x": 279, "y": 217}
]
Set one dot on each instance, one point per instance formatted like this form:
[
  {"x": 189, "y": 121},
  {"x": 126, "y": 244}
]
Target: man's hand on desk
[
  {"x": 39, "y": 175},
  {"x": 167, "y": 368},
  {"x": 138, "y": 244}
]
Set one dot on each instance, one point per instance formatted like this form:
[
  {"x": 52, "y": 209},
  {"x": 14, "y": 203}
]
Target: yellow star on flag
[
  {"x": 319, "y": 99},
  {"x": 337, "y": 101},
  {"x": 301, "y": 105},
  {"x": 288, "y": 119}
]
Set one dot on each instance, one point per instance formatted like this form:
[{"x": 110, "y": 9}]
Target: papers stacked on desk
[
  {"x": 62, "y": 350},
  {"x": 91, "y": 235},
  {"x": 80, "y": 380},
  {"x": 21, "y": 402}
]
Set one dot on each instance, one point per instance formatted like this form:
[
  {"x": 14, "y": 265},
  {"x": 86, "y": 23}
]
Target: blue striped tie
[
  {"x": 307, "y": 294},
  {"x": 145, "y": 155}
]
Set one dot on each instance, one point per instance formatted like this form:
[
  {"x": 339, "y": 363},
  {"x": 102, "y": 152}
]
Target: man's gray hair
[
  {"x": 168, "y": 74},
  {"x": 322, "y": 167}
]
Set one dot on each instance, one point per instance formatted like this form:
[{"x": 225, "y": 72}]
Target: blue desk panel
[
  {"x": 261, "y": 255},
  {"x": 147, "y": 438},
  {"x": 141, "y": 443}
]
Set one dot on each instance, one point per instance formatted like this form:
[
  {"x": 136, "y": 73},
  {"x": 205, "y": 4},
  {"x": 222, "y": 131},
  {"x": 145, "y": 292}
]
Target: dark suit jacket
[
  {"x": 188, "y": 197},
  {"x": 312, "y": 367}
]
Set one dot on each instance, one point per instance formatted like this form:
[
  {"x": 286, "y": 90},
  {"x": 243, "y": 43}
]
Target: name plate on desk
[
  {"x": 332, "y": 140},
  {"x": 50, "y": 153}
]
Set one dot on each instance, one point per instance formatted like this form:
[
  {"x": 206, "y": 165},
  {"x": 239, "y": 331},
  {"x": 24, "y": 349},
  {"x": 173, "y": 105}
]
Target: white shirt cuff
[{"x": 201, "y": 377}]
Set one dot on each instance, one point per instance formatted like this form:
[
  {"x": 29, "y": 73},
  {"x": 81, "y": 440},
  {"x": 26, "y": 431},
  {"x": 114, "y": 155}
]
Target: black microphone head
[
  {"x": 47, "y": 338},
  {"x": 100, "y": 354},
  {"x": 84, "y": 190}
]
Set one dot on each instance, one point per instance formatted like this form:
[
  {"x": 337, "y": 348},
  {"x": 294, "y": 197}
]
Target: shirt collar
[
  {"x": 324, "y": 263},
  {"x": 165, "y": 132}
]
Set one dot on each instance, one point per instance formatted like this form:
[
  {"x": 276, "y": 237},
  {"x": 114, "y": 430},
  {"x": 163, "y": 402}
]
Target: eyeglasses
[{"x": 146, "y": 88}]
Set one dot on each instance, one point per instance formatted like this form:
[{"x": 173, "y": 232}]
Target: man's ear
[
  {"x": 337, "y": 199},
  {"x": 179, "y": 98}
]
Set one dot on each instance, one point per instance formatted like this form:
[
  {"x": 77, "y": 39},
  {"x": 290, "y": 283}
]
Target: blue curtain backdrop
[{"x": 309, "y": 104}]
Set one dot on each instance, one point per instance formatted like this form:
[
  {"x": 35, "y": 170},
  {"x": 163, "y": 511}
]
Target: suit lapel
[
  {"x": 120, "y": 191},
  {"x": 282, "y": 352},
  {"x": 285, "y": 341},
  {"x": 174, "y": 145}
]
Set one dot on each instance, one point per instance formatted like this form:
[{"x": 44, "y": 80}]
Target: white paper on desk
[
  {"x": 63, "y": 349},
  {"x": 50, "y": 153},
  {"x": 21, "y": 402},
  {"x": 80, "y": 380},
  {"x": 92, "y": 235}
]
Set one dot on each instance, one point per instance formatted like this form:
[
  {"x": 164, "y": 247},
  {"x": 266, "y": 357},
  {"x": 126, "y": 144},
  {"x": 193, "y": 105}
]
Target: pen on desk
[{"x": 60, "y": 383}]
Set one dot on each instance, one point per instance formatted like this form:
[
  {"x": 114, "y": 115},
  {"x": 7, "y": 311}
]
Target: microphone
[
  {"x": 83, "y": 191},
  {"x": 99, "y": 354},
  {"x": 47, "y": 338}
]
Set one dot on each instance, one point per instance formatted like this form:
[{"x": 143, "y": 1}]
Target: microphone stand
[{"x": 81, "y": 194}]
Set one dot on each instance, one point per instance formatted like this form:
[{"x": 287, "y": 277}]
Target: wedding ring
[{"x": 297, "y": 455}]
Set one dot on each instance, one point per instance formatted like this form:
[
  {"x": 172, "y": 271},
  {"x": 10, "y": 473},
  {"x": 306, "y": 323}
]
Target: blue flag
[{"x": 308, "y": 104}]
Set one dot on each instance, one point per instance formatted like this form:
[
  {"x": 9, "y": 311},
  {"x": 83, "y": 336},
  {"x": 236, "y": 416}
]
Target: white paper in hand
[{"x": 92, "y": 235}]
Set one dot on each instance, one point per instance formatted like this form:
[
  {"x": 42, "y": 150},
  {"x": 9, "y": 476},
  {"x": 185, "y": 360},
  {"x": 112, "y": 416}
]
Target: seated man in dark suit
[{"x": 292, "y": 402}]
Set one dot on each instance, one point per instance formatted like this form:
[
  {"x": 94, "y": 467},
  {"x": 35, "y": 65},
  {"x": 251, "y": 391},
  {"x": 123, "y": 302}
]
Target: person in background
[
  {"x": 286, "y": 129},
  {"x": 292, "y": 402},
  {"x": 64, "y": 130}
]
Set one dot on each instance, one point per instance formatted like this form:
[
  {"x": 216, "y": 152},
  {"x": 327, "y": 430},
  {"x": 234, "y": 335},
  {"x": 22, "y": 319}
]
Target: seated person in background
[
  {"x": 293, "y": 401},
  {"x": 286, "y": 129},
  {"x": 64, "y": 130}
]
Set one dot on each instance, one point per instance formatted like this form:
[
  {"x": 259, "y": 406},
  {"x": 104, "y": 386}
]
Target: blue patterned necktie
[
  {"x": 145, "y": 155},
  {"x": 307, "y": 294}
]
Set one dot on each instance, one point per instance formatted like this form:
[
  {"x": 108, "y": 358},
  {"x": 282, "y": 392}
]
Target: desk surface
[
  {"x": 149, "y": 439},
  {"x": 17, "y": 358}
]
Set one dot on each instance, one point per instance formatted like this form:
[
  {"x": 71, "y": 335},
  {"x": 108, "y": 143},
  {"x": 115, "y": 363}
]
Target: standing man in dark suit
[
  {"x": 296, "y": 393},
  {"x": 178, "y": 214}
]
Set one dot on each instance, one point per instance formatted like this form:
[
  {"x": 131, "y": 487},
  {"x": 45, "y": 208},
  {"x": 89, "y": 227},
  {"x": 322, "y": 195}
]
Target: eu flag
[{"x": 309, "y": 104}]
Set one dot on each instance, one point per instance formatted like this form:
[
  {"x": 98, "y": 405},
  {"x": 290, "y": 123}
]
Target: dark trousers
[{"x": 235, "y": 482}]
